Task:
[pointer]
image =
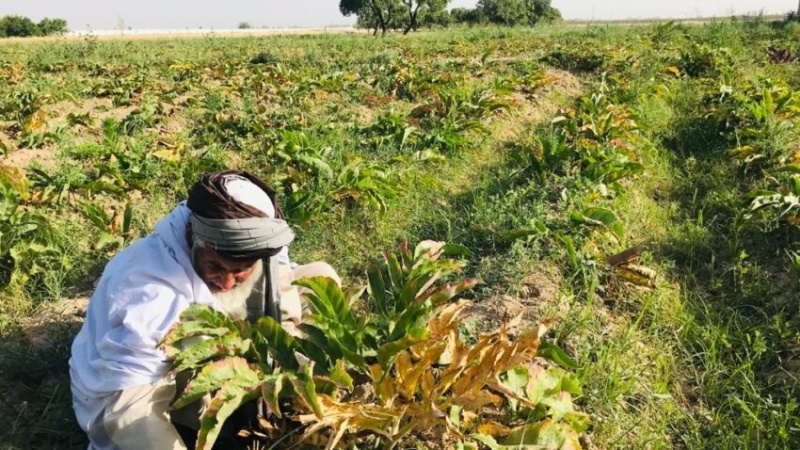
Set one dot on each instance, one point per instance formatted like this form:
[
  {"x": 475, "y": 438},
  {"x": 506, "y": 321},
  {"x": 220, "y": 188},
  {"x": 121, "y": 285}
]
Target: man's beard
[{"x": 234, "y": 301}]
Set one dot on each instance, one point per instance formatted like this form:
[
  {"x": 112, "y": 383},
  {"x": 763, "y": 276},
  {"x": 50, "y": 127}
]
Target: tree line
[
  {"x": 20, "y": 26},
  {"x": 408, "y": 15}
]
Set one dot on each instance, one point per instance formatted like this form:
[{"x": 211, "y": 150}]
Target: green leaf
[
  {"x": 304, "y": 387},
  {"x": 281, "y": 344},
  {"x": 516, "y": 380},
  {"x": 387, "y": 352},
  {"x": 234, "y": 370},
  {"x": 455, "y": 250},
  {"x": 230, "y": 344},
  {"x": 225, "y": 402},
  {"x": 316, "y": 336},
  {"x": 184, "y": 330},
  {"x": 554, "y": 353},
  {"x": 535, "y": 231},
  {"x": 600, "y": 217},
  {"x": 127, "y": 218},
  {"x": 327, "y": 299},
  {"x": 340, "y": 376},
  {"x": 208, "y": 315},
  {"x": 377, "y": 289},
  {"x": 546, "y": 434},
  {"x": 271, "y": 389}
]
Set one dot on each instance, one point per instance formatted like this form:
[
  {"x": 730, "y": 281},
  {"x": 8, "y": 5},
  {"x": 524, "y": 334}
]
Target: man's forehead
[{"x": 212, "y": 255}]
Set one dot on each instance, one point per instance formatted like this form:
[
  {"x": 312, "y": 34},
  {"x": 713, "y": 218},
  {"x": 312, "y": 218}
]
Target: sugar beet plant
[{"x": 385, "y": 367}]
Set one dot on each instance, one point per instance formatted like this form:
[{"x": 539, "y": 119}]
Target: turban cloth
[{"x": 232, "y": 226}]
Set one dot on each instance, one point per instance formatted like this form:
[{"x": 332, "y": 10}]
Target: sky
[{"x": 181, "y": 14}]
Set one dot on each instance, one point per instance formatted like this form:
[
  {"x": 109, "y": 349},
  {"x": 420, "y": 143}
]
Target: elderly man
[{"x": 225, "y": 247}]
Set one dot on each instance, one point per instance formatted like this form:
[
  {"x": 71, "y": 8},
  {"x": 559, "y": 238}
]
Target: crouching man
[{"x": 225, "y": 247}]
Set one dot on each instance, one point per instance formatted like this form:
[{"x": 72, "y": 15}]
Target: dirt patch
[
  {"x": 364, "y": 115},
  {"x": 537, "y": 300},
  {"x": 541, "y": 287},
  {"x": 99, "y": 109},
  {"x": 563, "y": 82},
  {"x": 65, "y": 313},
  {"x": 7, "y": 144},
  {"x": 23, "y": 157},
  {"x": 539, "y": 106}
]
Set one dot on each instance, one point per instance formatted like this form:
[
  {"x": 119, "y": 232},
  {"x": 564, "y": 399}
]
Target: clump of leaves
[
  {"x": 363, "y": 387},
  {"x": 27, "y": 241},
  {"x": 576, "y": 60}
]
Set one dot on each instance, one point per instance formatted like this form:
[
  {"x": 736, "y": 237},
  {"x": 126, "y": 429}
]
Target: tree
[
  {"x": 541, "y": 11},
  {"x": 244, "y": 26},
  {"x": 18, "y": 26},
  {"x": 378, "y": 11},
  {"x": 505, "y": 12},
  {"x": 474, "y": 16},
  {"x": 391, "y": 14},
  {"x": 377, "y": 15},
  {"x": 428, "y": 7},
  {"x": 430, "y": 18},
  {"x": 50, "y": 27}
]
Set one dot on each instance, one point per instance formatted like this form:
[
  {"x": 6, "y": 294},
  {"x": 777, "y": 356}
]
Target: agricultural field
[{"x": 633, "y": 190}]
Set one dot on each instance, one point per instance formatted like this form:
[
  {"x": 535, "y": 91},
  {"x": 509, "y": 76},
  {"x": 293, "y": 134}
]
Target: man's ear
[{"x": 189, "y": 234}]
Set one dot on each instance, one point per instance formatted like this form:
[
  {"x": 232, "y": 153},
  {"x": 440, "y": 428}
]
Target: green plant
[
  {"x": 115, "y": 229},
  {"x": 421, "y": 375},
  {"x": 28, "y": 243},
  {"x": 363, "y": 182}
]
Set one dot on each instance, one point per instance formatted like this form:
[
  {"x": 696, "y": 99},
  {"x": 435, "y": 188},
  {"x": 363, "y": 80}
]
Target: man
[{"x": 225, "y": 247}]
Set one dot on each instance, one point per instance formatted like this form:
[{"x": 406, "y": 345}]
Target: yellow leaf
[
  {"x": 167, "y": 155},
  {"x": 493, "y": 429},
  {"x": 673, "y": 70}
]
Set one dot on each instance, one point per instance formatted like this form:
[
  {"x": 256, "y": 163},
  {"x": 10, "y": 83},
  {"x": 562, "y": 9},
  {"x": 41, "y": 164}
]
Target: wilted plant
[{"x": 410, "y": 371}]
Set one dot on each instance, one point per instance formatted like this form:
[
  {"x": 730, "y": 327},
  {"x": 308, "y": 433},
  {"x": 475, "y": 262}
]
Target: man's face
[{"x": 219, "y": 273}]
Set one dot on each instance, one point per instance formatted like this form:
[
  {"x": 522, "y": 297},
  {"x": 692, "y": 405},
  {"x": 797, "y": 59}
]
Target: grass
[{"x": 707, "y": 359}]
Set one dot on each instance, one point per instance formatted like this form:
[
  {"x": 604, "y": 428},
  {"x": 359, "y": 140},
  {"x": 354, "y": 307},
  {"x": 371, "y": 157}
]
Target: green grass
[{"x": 706, "y": 359}]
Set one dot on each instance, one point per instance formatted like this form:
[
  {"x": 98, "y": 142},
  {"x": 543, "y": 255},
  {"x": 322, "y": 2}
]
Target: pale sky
[{"x": 180, "y": 14}]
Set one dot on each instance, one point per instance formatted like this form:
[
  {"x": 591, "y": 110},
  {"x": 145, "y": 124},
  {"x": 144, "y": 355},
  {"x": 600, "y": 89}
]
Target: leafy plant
[
  {"x": 415, "y": 374},
  {"x": 115, "y": 229},
  {"x": 363, "y": 182},
  {"x": 28, "y": 242}
]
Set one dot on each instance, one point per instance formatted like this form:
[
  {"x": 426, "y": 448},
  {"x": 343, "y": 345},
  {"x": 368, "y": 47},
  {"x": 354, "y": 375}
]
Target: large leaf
[
  {"x": 547, "y": 434},
  {"x": 306, "y": 391},
  {"x": 224, "y": 403},
  {"x": 233, "y": 370},
  {"x": 230, "y": 344},
  {"x": 388, "y": 351},
  {"x": 327, "y": 299},
  {"x": 281, "y": 344},
  {"x": 185, "y": 330},
  {"x": 554, "y": 353},
  {"x": 600, "y": 217}
]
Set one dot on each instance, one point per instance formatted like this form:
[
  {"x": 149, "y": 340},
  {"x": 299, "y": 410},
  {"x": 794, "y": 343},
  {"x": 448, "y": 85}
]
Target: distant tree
[
  {"x": 18, "y": 26},
  {"x": 542, "y": 11},
  {"x": 430, "y": 18},
  {"x": 50, "y": 27},
  {"x": 244, "y": 26},
  {"x": 381, "y": 15},
  {"x": 372, "y": 12},
  {"x": 414, "y": 7},
  {"x": 505, "y": 12},
  {"x": 473, "y": 16},
  {"x": 387, "y": 15}
]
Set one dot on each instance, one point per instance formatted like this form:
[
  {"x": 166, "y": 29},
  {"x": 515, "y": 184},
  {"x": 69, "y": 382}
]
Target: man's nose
[{"x": 226, "y": 282}]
